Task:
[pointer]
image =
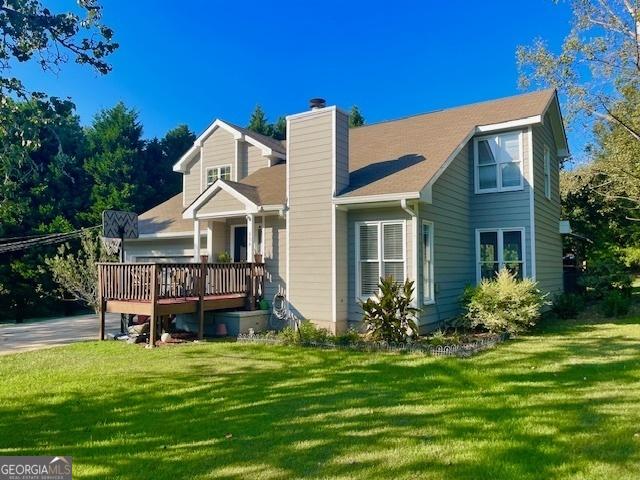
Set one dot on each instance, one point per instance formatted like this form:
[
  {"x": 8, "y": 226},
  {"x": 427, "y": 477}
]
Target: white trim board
[
  {"x": 182, "y": 164},
  {"x": 210, "y": 191}
]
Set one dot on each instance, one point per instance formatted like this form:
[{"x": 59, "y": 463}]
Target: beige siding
[
  {"x": 221, "y": 202},
  {"x": 250, "y": 160},
  {"x": 275, "y": 255},
  {"x": 310, "y": 216},
  {"x": 191, "y": 183},
  {"x": 547, "y": 213},
  {"x": 163, "y": 249},
  {"x": 219, "y": 149}
]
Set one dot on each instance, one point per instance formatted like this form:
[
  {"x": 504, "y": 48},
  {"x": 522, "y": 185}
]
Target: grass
[{"x": 558, "y": 404}]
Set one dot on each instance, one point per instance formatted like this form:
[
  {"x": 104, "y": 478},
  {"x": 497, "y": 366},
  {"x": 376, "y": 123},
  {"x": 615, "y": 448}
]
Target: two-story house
[{"x": 444, "y": 198}]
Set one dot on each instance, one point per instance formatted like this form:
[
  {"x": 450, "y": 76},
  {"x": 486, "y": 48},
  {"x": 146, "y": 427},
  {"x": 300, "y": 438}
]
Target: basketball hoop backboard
[{"x": 116, "y": 224}]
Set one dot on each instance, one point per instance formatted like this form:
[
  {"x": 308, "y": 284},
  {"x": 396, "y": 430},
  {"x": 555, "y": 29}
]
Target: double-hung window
[
  {"x": 498, "y": 249},
  {"x": 547, "y": 172},
  {"x": 427, "y": 262},
  {"x": 213, "y": 173},
  {"x": 381, "y": 253},
  {"x": 498, "y": 162}
]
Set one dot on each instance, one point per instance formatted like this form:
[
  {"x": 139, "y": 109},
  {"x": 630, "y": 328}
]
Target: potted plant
[{"x": 257, "y": 256}]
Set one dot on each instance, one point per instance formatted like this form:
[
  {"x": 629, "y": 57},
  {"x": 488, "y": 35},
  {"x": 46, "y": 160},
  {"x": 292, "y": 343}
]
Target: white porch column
[
  {"x": 262, "y": 245},
  {"x": 250, "y": 232},
  {"x": 210, "y": 241},
  {"x": 196, "y": 240}
]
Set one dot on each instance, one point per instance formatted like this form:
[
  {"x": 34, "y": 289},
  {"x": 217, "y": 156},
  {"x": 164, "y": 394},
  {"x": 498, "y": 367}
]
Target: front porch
[{"x": 159, "y": 290}]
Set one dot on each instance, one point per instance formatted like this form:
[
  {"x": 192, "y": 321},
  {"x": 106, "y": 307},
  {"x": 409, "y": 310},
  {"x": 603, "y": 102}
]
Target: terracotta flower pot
[{"x": 221, "y": 330}]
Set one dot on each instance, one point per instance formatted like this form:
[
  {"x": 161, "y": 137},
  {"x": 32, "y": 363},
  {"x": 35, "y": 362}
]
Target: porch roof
[{"x": 165, "y": 219}]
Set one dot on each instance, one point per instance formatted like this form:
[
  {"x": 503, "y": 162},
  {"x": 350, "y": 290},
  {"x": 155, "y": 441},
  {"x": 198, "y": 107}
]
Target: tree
[
  {"x": 44, "y": 187},
  {"x": 258, "y": 122},
  {"x": 175, "y": 143},
  {"x": 30, "y": 29},
  {"x": 356, "y": 119},
  {"x": 115, "y": 162},
  {"x": 279, "y": 129},
  {"x": 77, "y": 273},
  {"x": 599, "y": 61}
]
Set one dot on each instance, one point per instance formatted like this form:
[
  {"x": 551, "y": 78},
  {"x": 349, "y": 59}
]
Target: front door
[{"x": 240, "y": 244}]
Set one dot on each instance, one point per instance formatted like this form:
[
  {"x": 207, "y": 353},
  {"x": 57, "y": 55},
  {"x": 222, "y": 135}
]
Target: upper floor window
[
  {"x": 498, "y": 162},
  {"x": 381, "y": 252},
  {"x": 213, "y": 173},
  {"x": 547, "y": 172}
]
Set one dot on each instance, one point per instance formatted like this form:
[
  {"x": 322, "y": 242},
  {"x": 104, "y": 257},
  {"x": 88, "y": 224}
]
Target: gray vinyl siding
[
  {"x": 217, "y": 150},
  {"x": 310, "y": 178},
  {"x": 191, "y": 183},
  {"x": 454, "y": 242},
  {"x": 547, "y": 213},
  {"x": 372, "y": 215},
  {"x": 505, "y": 209}
]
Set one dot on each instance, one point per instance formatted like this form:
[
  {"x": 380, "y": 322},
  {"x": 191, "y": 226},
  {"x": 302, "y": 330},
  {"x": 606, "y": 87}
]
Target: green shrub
[
  {"x": 605, "y": 271},
  {"x": 389, "y": 315},
  {"x": 224, "y": 257},
  {"x": 350, "y": 337},
  {"x": 306, "y": 333},
  {"x": 503, "y": 304},
  {"x": 615, "y": 304},
  {"x": 631, "y": 257},
  {"x": 567, "y": 305}
]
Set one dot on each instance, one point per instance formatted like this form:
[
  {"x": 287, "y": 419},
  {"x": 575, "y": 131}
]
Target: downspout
[{"x": 414, "y": 243}]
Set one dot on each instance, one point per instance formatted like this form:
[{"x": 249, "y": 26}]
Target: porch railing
[{"x": 143, "y": 282}]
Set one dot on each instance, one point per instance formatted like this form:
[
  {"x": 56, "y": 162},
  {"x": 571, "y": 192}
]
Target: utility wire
[{"x": 40, "y": 240}]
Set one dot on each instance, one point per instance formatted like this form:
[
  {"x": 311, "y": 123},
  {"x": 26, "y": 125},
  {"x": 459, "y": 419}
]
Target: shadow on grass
[{"x": 543, "y": 406}]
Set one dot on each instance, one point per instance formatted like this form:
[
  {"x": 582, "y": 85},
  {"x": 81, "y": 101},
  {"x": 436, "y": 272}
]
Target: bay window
[
  {"x": 381, "y": 252},
  {"x": 500, "y": 248},
  {"x": 223, "y": 172},
  {"x": 498, "y": 162}
]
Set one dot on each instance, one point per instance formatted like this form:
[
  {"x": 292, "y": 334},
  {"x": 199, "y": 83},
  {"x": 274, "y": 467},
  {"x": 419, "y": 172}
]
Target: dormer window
[
  {"x": 213, "y": 173},
  {"x": 498, "y": 162}
]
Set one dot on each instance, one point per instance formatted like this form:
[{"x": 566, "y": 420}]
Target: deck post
[
  {"x": 100, "y": 304},
  {"x": 154, "y": 303},
  {"x": 201, "y": 288}
]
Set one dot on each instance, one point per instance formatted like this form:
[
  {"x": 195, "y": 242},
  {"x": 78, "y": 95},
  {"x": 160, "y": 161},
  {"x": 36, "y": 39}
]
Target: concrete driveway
[{"x": 50, "y": 333}]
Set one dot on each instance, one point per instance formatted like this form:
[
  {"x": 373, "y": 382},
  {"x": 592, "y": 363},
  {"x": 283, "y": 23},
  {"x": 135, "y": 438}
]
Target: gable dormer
[{"x": 225, "y": 151}]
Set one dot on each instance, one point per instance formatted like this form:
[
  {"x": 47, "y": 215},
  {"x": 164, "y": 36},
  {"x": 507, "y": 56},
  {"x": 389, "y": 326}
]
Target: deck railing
[{"x": 135, "y": 281}]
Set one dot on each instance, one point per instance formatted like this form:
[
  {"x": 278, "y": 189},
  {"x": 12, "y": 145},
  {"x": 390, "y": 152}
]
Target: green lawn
[{"x": 560, "y": 404}]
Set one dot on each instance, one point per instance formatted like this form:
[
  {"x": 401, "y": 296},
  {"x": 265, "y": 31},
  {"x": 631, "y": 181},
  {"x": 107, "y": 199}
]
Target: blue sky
[{"x": 194, "y": 61}]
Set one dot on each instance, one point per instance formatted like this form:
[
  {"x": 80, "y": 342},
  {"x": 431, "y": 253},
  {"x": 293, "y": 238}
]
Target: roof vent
[{"x": 316, "y": 103}]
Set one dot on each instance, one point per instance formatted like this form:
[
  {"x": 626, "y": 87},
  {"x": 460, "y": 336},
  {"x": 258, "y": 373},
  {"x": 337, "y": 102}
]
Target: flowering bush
[{"x": 504, "y": 304}]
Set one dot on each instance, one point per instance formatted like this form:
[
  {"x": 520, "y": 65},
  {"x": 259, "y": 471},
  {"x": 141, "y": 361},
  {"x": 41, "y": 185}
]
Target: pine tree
[
  {"x": 258, "y": 122},
  {"x": 356, "y": 119}
]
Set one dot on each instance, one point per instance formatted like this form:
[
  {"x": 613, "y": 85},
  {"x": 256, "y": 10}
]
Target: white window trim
[
  {"x": 547, "y": 172},
  {"x": 216, "y": 167},
  {"x": 380, "y": 260},
  {"x": 499, "y": 187},
  {"x": 500, "y": 232},
  {"x": 432, "y": 296}
]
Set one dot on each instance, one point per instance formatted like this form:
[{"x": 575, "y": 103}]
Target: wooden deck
[{"x": 159, "y": 290}]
